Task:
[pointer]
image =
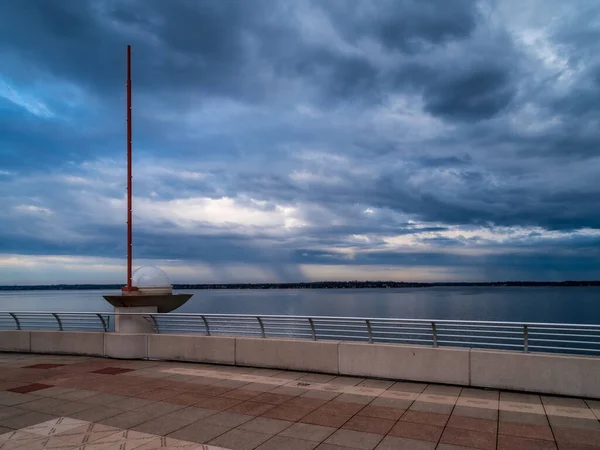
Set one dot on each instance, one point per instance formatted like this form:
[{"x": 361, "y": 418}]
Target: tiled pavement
[{"x": 62, "y": 402}]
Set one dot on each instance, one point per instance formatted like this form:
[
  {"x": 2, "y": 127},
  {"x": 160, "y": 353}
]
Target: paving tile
[
  {"x": 308, "y": 432},
  {"x": 85, "y": 434},
  {"x": 381, "y": 412},
  {"x": 218, "y": 403},
  {"x": 317, "y": 378},
  {"x": 43, "y": 366},
  {"x": 55, "y": 426},
  {"x": 288, "y": 390},
  {"x": 341, "y": 407},
  {"x": 391, "y": 403},
  {"x": 526, "y": 430},
  {"x": 102, "y": 399},
  {"x": 576, "y": 436},
  {"x": 191, "y": 414},
  {"x": 266, "y": 426},
  {"x": 573, "y": 422},
  {"x": 241, "y": 394},
  {"x": 332, "y": 447},
  {"x": 322, "y": 395},
  {"x": 431, "y": 407},
  {"x": 483, "y": 394},
  {"x": 520, "y": 417},
  {"x": 227, "y": 419},
  {"x": 251, "y": 408},
  {"x": 408, "y": 387},
  {"x": 271, "y": 398},
  {"x": 346, "y": 381},
  {"x": 29, "y": 388},
  {"x": 112, "y": 370},
  {"x": 452, "y": 447},
  {"x": 397, "y": 443},
  {"x": 469, "y": 438},
  {"x": 42, "y": 404},
  {"x": 25, "y": 420},
  {"x": 506, "y": 442},
  {"x": 440, "y": 389},
  {"x": 11, "y": 411},
  {"x": 417, "y": 431},
  {"x": 199, "y": 432},
  {"x": 125, "y": 439},
  {"x": 354, "y": 439},
  {"x": 469, "y": 423},
  {"x": 260, "y": 387},
  {"x": 162, "y": 425},
  {"x": 425, "y": 417},
  {"x": 377, "y": 384},
  {"x": 167, "y": 443},
  {"x": 96, "y": 413},
  {"x": 306, "y": 402},
  {"x": 129, "y": 419},
  {"x": 326, "y": 419},
  {"x": 475, "y": 413},
  {"x": 240, "y": 439},
  {"x": 354, "y": 398},
  {"x": 283, "y": 442},
  {"x": 158, "y": 394},
  {"x": 55, "y": 391},
  {"x": 73, "y": 394},
  {"x": 290, "y": 413},
  {"x": 369, "y": 424},
  {"x": 187, "y": 398}
]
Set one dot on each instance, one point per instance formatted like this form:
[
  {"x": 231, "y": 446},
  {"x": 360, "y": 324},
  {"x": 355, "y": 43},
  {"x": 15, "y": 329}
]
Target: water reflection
[{"x": 531, "y": 304}]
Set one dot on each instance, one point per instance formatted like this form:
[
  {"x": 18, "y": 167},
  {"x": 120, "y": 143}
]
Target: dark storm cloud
[{"x": 437, "y": 112}]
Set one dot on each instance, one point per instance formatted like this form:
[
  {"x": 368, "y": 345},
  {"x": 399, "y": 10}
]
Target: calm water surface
[{"x": 531, "y": 304}]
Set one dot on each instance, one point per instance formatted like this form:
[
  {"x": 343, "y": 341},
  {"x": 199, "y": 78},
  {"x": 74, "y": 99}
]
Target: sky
[{"x": 304, "y": 140}]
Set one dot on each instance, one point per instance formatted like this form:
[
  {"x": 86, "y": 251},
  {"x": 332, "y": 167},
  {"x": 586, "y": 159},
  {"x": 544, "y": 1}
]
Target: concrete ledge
[
  {"x": 536, "y": 372},
  {"x": 177, "y": 347},
  {"x": 403, "y": 362},
  {"x": 68, "y": 342},
  {"x": 15, "y": 341},
  {"x": 290, "y": 354},
  {"x": 126, "y": 346}
]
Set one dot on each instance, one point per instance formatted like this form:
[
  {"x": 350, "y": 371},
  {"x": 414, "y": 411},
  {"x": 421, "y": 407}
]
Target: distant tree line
[{"x": 311, "y": 285}]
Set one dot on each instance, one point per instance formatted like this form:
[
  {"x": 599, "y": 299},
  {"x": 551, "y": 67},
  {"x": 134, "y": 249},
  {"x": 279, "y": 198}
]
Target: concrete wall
[
  {"x": 15, "y": 341},
  {"x": 405, "y": 362},
  {"x": 534, "y": 372},
  {"x": 211, "y": 349},
  {"x": 291, "y": 354},
  {"x": 126, "y": 346},
  {"x": 69, "y": 342}
]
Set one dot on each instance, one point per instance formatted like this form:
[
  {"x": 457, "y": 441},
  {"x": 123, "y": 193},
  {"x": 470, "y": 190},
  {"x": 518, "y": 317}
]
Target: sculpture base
[
  {"x": 133, "y": 324},
  {"x": 163, "y": 303}
]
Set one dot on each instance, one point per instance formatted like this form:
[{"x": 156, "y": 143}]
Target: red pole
[{"x": 129, "y": 202}]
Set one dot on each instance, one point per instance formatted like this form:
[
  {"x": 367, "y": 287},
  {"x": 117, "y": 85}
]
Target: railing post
[
  {"x": 525, "y": 338},
  {"x": 368, "y": 322},
  {"x": 206, "y": 325},
  {"x": 312, "y": 329},
  {"x": 155, "y": 324},
  {"x": 434, "y": 334},
  {"x": 60, "y": 327},
  {"x": 16, "y": 319},
  {"x": 103, "y": 321},
  {"x": 262, "y": 327}
]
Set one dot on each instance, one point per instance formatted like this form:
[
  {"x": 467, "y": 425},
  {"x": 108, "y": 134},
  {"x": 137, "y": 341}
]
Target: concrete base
[{"x": 133, "y": 324}]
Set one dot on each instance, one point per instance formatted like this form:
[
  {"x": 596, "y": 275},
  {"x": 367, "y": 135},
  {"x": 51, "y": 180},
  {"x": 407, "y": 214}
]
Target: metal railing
[{"x": 528, "y": 337}]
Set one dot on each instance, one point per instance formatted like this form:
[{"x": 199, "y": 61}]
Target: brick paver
[{"x": 69, "y": 402}]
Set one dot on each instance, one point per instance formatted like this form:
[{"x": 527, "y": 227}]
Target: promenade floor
[{"x": 68, "y": 402}]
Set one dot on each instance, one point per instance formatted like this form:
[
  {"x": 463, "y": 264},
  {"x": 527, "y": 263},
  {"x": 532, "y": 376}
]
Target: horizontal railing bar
[{"x": 340, "y": 318}]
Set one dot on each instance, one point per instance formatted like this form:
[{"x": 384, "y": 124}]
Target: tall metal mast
[{"x": 129, "y": 177}]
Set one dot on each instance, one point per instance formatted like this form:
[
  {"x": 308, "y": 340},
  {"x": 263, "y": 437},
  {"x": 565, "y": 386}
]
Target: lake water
[{"x": 527, "y": 304}]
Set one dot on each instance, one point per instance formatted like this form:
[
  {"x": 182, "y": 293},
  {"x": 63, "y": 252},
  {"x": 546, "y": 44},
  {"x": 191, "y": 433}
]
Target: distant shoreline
[{"x": 312, "y": 285}]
